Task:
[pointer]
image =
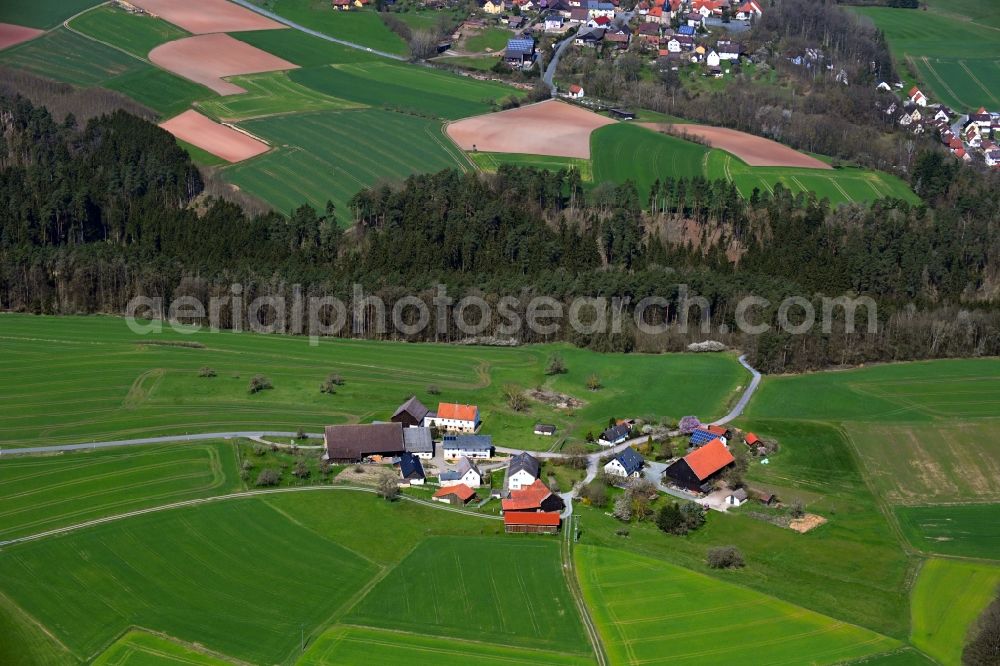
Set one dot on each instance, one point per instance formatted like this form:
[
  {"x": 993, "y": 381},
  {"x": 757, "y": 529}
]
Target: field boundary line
[
  {"x": 934, "y": 73},
  {"x": 575, "y": 591},
  {"x": 961, "y": 63},
  {"x": 16, "y": 608},
  {"x": 66, "y": 24}
]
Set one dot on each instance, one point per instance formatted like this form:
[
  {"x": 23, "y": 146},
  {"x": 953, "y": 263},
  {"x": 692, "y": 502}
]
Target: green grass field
[
  {"x": 42, "y": 13},
  {"x": 947, "y": 598},
  {"x": 649, "y": 612},
  {"x": 362, "y": 27},
  {"x": 333, "y": 155},
  {"x": 490, "y": 162},
  {"x": 175, "y": 571},
  {"x": 160, "y": 90},
  {"x": 966, "y": 530},
  {"x": 303, "y": 49},
  {"x": 153, "y": 389},
  {"x": 362, "y": 646},
  {"x": 479, "y": 63},
  {"x": 977, "y": 11},
  {"x": 497, "y": 590},
  {"x": 955, "y": 58},
  {"x": 43, "y": 493},
  {"x": 144, "y": 649},
  {"x": 270, "y": 94},
  {"x": 494, "y": 39},
  {"x": 628, "y": 152},
  {"x": 66, "y": 56},
  {"x": 419, "y": 90},
  {"x": 136, "y": 33}
]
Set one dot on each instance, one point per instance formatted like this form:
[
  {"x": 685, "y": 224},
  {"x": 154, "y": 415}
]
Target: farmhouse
[
  {"x": 615, "y": 435},
  {"x": 410, "y": 470},
  {"x": 553, "y": 23},
  {"x": 589, "y": 38},
  {"x": 627, "y": 464},
  {"x": 356, "y": 443},
  {"x": 547, "y": 429},
  {"x": 703, "y": 435},
  {"x": 465, "y": 472},
  {"x": 453, "y": 417},
  {"x": 520, "y": 52},
  {"x": 695, "y": 470},
  {"x": 748, "y": 10},
  {"x": 736, "y": 498},
  {"x": 535, "y": 497},
  {"x": 917, "y": 97},
  {"x": 419, "y": 442},
  {"x": 493, "y": 6},
  {"x": 457, "y": 495},
  {"x": 470, "y": 446},
  {"x": 535, "y": 523},
  {"x": 522, "y": 470},
  {"x": 411, "y": 413}
]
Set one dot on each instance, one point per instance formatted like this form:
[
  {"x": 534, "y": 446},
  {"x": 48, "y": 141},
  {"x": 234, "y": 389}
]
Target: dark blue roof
[
  {"x": 630, "y": 460},
  {"x": 615, "y": 433},
  {"x": 469, "y": 442},
  {"x": 685, "y": 30},
  {"x": 410, "y": 464},
  {"x": 700, "y": 437}
]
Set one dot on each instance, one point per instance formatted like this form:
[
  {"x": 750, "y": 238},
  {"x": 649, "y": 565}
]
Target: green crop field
[
  {"x": 955, "y": 58},
  {"x": 362, "y": 646},
  {"x": 174, "y": 571},
  {"x": 494, "y": 39},
  {"x": 154, "y": 389},
  {"x": 967, "y": 530},
  {"x": 499, "y": 590},
  {"x": 160, "y": 90},
  {"x": 42, "y": 13},
  {"x": 628, "y": 152},
  {"x": 43, "y": 493},
  {"x": 270, "y": 94},
  {"x": 362, "y": 27},
  {"x": 490, "y": 162},
  {"x": 480, "y": 63},
  {"x": 333, "y": 155},
  {"x": 649, "y": 612},
  {"x": 141, "y": 648},
  {"x": 66, "y": 56},
  {"x": 419, "y": 90},
  {"x": 303, "y": 49},
  {"x": 947, "y": 598},
  {"x": 136, "y": 33},
  {"x": 976, "y": 11}
]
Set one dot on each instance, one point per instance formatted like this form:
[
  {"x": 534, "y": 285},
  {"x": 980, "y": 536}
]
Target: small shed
[
  {"x": 736, "y": 498},
  {"x": 457, "y": 495}
]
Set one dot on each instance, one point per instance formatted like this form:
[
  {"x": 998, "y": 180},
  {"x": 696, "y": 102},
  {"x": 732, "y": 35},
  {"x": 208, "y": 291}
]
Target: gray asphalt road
[
  {"x": 550, "y": 69},
  {"x": 745, "y": 398},
  {"x": 315, "y": 33}
]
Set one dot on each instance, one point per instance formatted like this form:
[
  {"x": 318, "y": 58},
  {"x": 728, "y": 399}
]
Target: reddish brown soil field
[
  {"x": 547, "y": 128},
  {"x": 754, "y": 150},
  {"x": 205, "y": 59},
  {"x": 217, "y": 139},
  {"x": 11, "y": 34},
  {"x": 200, "y": 17}
]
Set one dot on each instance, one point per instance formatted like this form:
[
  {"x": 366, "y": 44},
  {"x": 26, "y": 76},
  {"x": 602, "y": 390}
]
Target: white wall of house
[
  {"x": 453, "y": 453},
  {"x": 520, "y": 479},
  {"x": 615, "y": 468},
  {"x": 455, "y": 425},
  {"x": 472, "y": 479},
  {"x": 733, "y": 500}
]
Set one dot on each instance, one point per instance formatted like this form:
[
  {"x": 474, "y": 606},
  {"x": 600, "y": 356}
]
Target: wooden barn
[
  {"x": 411, "y": 413},
  {"x": 534, "y": 523},
  {"x": 457, "y": 495},
  {"x": 696, "y": 470},
  {"x": 357, "y": 443},
  {"x": 533, "y": 498}
]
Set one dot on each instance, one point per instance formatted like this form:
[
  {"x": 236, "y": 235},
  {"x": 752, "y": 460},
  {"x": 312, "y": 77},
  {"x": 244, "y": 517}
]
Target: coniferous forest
[{"x": 93, "y": 215}]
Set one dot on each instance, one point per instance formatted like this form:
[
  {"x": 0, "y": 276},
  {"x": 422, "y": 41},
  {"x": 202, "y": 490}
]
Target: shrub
[
  {"x": 206, "y": 372},
  {"x": 725, "y": 557},
  {"x": 259, "y": 383},
  {"x": 594, "y": 382},
  {"x": 433, "y": 389},
  {"x": 301, "y": 471},
  {"x": 259, "y": 449},
  {"x": 330, "y": 384},
  {"x": 268, "y": 477},
  {"x": 247, "y": 465},
  {"x": 300, "y": 434},
  {"x": 688, "y": 424},
  {"x": 798, "y": 509},
  {"x": 515, "y": 397},
  {"x": 387, "y": 488},
  {"x": 556, "y": 366},
  {"x": 622, "y": 532}
]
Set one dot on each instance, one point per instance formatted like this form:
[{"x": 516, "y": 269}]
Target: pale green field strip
[
  {"x": 649, "y": 612},
  {"x": 270, "y": 94},
  {"x": 140, "y": 648},
  {"x": 490, "y": 162},
  {"x": 947, "y": 599}
]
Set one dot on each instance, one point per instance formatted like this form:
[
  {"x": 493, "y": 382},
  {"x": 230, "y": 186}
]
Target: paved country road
[
  {"x": 744, "y": 400},
  {"x": 315, "y": 33}
]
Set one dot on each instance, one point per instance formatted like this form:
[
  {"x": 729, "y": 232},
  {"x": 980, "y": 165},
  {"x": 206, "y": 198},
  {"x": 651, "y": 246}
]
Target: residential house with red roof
[
  {"x": 453, "y": 417},
  {"x": 917, "y": 97},
  {"x": 696, "y": 470}
]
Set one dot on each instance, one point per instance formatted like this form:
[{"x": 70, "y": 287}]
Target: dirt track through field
[
  {"x": 221, "y": 141},
  {"x": 11, "y": 34},
  {"x": 205, "y": 59},
  {"x": 754, "y": 150},
  {"x": 200, "y": 17},
  {"x": 548, "y": 128}
]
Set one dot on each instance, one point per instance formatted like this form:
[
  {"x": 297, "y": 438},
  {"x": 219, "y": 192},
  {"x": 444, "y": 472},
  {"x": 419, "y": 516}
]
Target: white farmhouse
[
  {"x": 627, "y": 464},
  {"x": 522, "y": 471},
  {"x": 453, "y": 417}
]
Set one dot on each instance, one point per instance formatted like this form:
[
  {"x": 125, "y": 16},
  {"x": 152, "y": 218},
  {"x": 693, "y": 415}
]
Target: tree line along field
[
  {"x": 952, "y": 56},
  {"x": 153, "y": 387},
  {"x": 649, "y": 612}
]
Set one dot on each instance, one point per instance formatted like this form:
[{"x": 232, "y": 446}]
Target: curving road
[
  {"x": 745, "y": 398},
  {"x": 315, "y": 33}
]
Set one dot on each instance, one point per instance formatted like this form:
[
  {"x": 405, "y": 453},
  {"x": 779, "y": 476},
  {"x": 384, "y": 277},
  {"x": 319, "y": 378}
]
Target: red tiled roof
[
  {"x": 709, "y": 459},
  {"x": 544, "y": 519},
  {"x": 575, "y": 88},
  {"x": 451, "y": 410},
  {"x": 464, "y": 492},
  {"x": 527, "y": 499},
  {"x": 602, "y": 20},
  {"x": 751, "y": 439},
  {"x": 717, "y": 430}
]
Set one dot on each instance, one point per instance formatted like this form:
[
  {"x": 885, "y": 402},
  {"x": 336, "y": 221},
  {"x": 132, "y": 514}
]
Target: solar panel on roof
[{"x": 700, "y": 437}]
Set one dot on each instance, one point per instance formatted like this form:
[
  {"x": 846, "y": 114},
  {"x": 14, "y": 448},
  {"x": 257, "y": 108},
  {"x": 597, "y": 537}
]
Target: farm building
[
  {"x": 453, "y": 417},
  {"x": 471, "y": 446},
  {"x": 695, "y": 470},
  {"x": 522, "y": 470},
  {"x": 536, "y": 523},
  {"x": 356, "y": 443},
  {"x": 410, "y": 470},
  {"x": 545, "y": 429},
  {"x": 419, "y": 442},
  {"x": 535, "y": 497},
  {"x": 704, "y": 435},
  {"x": 465, "y": 472},
  {"x": 457, "y": 495},
  {"x": 627, "y": 464},
  {"x": 411, "y": 413},
  {"x": 615, "y": 435},
  {"x": 736, "y": 498},
  {"x": 751, "y": 439},
  {"x": 520, "y": 52}
]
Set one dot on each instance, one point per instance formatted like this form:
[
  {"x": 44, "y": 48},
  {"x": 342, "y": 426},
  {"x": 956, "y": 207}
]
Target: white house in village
[
  {"x": 453, "y": 417},
  {"x": 627, "y": 464},
  {"x": 575, "y": 92},
  {"x": 712, "y": 59},
  {"x": 465, "y": 472},
  {"x": 477, "y": 447},
  {"x": 917, "y": 97},
  {"x": 522, "y": 471}
]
